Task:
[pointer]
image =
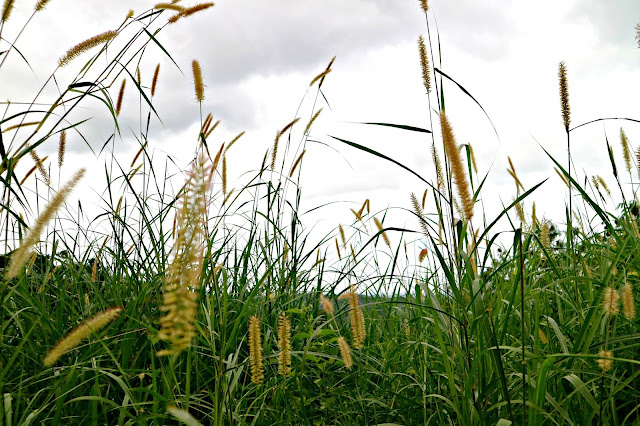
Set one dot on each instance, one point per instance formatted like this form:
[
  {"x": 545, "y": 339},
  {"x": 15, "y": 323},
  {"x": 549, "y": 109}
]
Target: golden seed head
[
  {"x": 234, "y": 141},
  {"x": 120, "y": 97},
  {"x": 328, "y": 68},
  {"x": 356, "y": 317},
  {"x": 544, "y": 235},
  {"x": 80, "y": 333},
  {"x": 306, "y": 129},
  {"x": 423, "y": 253},
  {"x": 626, "y": 150},
  {"x": 6, "y": 10},
  {"x": 417, "y": 209},
  {"x": 424, "y": 64},
  {"x": 345, "y": 352},
  {"x": 295, "y": 164},
  {"x": 543, "y": 337},
  {"x": 604, "y": 184},
  {"x": 284, "y": 342},
  {"x": 21, "y": 255},
  {"x": 154, "y": 82},
  {"x": 41, "y": 168},
  {"x": 342, "y": 236},
  {"x": 224, "y": 175},
  {"x": 62, "y": 146},
  {"x": 628, "y": 302},
  {"x": 326, "y": 305},
  {"x": 190, "y": 11},
  {"x": 182, "y": 277},
  {"x": 520, "y": 212},
  {"x": 197, "y": 80},
  {"x": 611, "y": 301},
  {"x": 424, "y": 5},
  {"x": 457, "y": 168},
  {"x": 130, "y": 14},
  {"x": 255, "y": 350},
  {"x": 380, "y": 229},
  {"x": 473, "y": 158},
  {"x": 564, "y": 95},
  {"x": 605, "y": 364},
  {"x": 274, "y": 151},
  {"x": 438, "y": 166},
  {"x": 169, "y": 6},
  {"x": 338, "y": 249},
  {"x": 534, "y": 218},
  {"x": 41, "y": 5},
  {"x": 88, "y": 44},
  {"x": 424, "y": 197}
]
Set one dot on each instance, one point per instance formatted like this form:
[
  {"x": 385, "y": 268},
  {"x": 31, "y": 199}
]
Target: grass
[{"x": 213, "y": 305}]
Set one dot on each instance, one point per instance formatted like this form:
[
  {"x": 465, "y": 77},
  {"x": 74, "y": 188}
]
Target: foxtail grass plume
[
  {"x": 284, "y": 342},
  {"x": 130, "y": 14},
  {"x": 224, "y": 174},
  {"x": 320, "y": 76},
  {"x": 190, "y": 11},
  {"x": 345, "y": 352},
  {"x": 544, "y": 235},
  {"x": 543, "y": 337},
  {"x": 274, "y": 151},
  {"x": 197, "y": 80},
  {"x": 423, "y": 253},
  {"x": 295, "y": 164},
  {"x": 169, "y": 6},
  {"x": 534, "y": 218},
  {"x": 628, "y": 302},
  {"x": 120, "y": 96},
  {"x": 424, "y": 64},
  {"x": 338, "y": 249},
  {"x": 306, "y": 129},
  {"x": 326, "y": 305},
  {"x": 22, "y": 254},
  {"x": 80, "y": 333},
  {"x": 520, "y": 212},
  {"x": 62, "y": 146},
  {"x": 356, "y": 317},
  {"x": 457, "y": 168},
  {"x": 417, "y": 209},
  {"x": 424, "y": 198},
  {"x": 7, "y": 9},
  {"x": 473, "y": 158},
  {"x": 41, "y": 168},
  {"x": 41, "y": 5},
  {"x": 604, "y": 185},
  {"x": 342, "y": 236},
  {"x": 86, "y": 45},
  {"x": 605, "y": 364},
  {"x": 29, "y": 173},
  {"x": 182, "y": 277},
  {"x": 234, "y": 140},
  {"x": 564, "y": 96},
  {"x": 611, "y": 301},
  {"x": 626, "y": 150},
  {"x": 255, "y": 350},
  {"x": 438, "y": 165},
  {"x": 424, "y": 5},
  {"x": 328, "y": 68},
  {"x": 381, "y": 229},
  {"x": 154, "y": 82}
]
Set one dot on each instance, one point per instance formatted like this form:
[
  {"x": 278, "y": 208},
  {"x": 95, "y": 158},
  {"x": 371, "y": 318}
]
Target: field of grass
[{"x": 213, "y": 305}]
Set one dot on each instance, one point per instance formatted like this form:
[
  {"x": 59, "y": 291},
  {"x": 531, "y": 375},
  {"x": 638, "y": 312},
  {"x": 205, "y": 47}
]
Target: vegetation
[{"x": 209, "y": 305}]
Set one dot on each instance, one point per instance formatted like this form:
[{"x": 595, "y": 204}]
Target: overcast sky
[{"x": 259, "y": 57}]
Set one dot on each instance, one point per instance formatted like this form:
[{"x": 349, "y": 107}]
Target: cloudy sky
[{"x": 259, "y": 57}]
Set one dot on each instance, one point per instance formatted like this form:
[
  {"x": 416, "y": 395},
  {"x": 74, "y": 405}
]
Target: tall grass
[{"x": 211, "y": 305}]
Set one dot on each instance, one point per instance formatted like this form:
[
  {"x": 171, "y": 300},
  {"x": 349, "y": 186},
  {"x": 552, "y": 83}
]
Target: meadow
[{"x": 215, "y": 305}]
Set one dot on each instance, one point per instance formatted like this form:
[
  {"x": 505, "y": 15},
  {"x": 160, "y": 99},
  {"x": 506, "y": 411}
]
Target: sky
[{"x": 259, "y": 57}]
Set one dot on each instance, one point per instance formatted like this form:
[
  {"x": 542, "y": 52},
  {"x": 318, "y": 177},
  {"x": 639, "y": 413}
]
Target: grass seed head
[
  {"x": 424, "y": 5},
  {"x": 120, "y": 96},
  {"x": 356, "y": 317},
  {"x": 385, "y": 237},
  {"x": 423, "y": 254},
  {"x": 80, "y": 333},
  {"x": 424, "y": 64},
  {"x": 605, "y": 364},
  {"x": 22, "y": 254},
  {"x": 7, "y": 9},
  {"x": 306, "y": 129},
  {"x": 628, "y": 302},
  {"x": 62, "y": 146},
  {"x": 326, "y": 305},
  {"x": 154, "y": 82},
  {"x": 190, "y": 11},
  {"x": 197, "y": 80},
  {"x": 295, "y": 164},
  {"x": 86, "y": 45},
  {"x": 457, "y": 168},
  {"x": 345, "y": 352},
  {"x": 564, "y": 95},
  {"x": 544, "y": 235},
  {"x": 611, "y": 301},
  {"x": 284, "y": 342},
  {"x": 41, "y": 5},
  {"x": 626, "y": 150},
  {"x": 255, "y": 350}
]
